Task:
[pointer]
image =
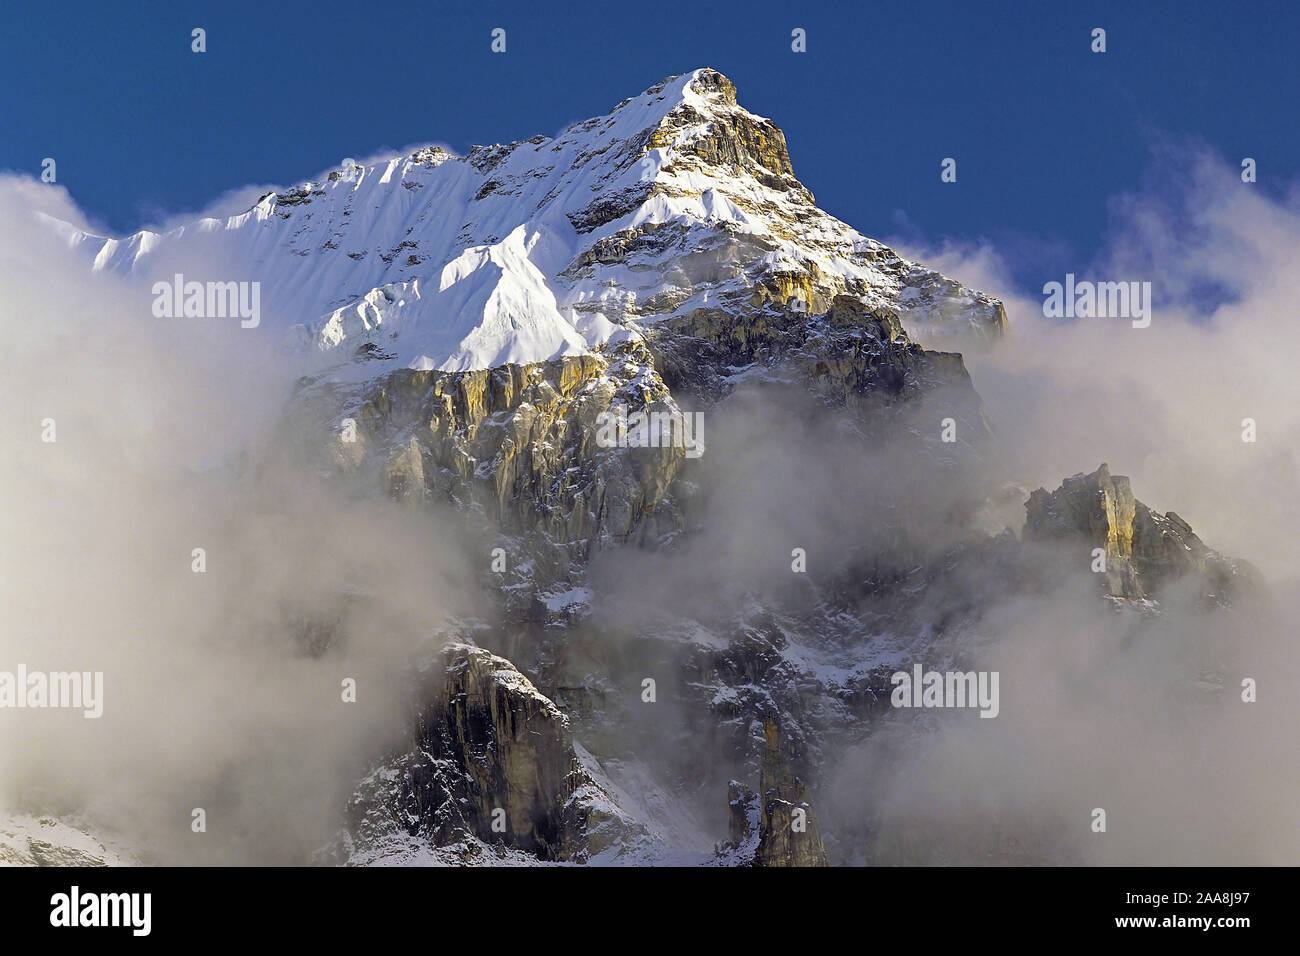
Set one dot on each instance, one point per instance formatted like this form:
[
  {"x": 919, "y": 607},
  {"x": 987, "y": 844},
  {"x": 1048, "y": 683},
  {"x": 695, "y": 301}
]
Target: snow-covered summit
[{"x": 678, "y": 200}]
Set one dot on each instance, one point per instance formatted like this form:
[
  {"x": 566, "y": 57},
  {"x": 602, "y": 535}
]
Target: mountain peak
[
  {"x": 703, "y": 89},
  {"x": 677, "y": 202}
]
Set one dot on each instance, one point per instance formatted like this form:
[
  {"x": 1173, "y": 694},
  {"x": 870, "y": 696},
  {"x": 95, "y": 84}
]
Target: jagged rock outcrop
[
  {"x": 1145, "y": 551},
  {"x": 776, "y": 826},
  {"x": 788, "y": 834},
  {"x": 493, "y": 762}
]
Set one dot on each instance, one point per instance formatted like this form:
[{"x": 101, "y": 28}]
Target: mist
[
  {"x": 1164, "y": 404},
  {"x": 1140, "y": 716},
  {"x": 218, "y": 694},
  {"x": 223, "y": 675}
]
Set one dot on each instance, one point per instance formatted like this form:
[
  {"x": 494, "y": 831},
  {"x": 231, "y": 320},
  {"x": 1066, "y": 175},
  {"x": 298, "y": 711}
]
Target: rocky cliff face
[
  {"x": 521, "y": 445},
  {"x": 493, "y": 765},
  {"x": 849, "y": 354}
]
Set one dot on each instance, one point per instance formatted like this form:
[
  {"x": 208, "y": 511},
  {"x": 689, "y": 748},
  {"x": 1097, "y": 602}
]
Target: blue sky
[{"x": 1044, "y": 131}]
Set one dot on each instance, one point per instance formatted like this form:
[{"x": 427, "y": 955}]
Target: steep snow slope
[{"x": 679, "y": 200}]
